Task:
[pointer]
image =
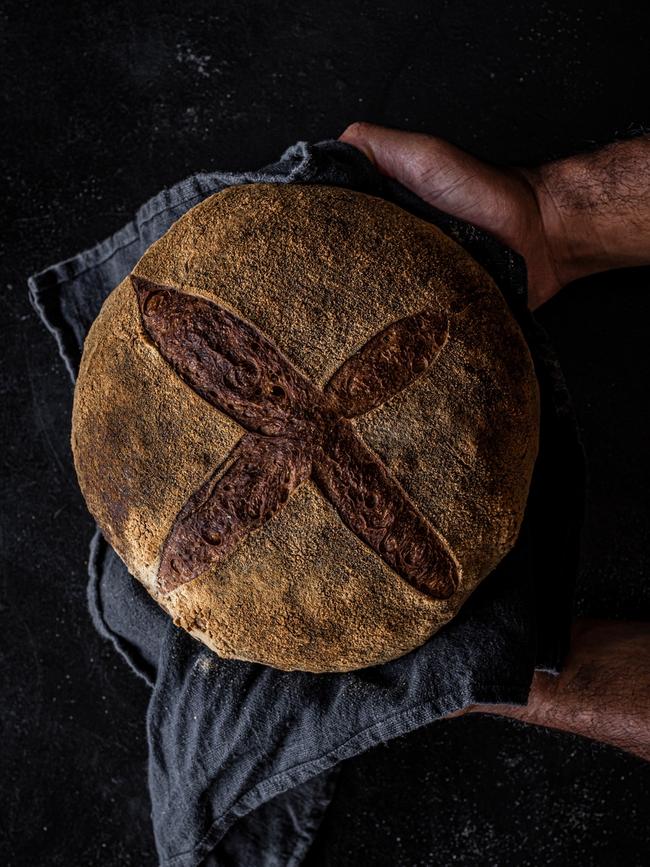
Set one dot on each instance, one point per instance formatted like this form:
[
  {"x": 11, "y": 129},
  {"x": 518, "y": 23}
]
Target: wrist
[
  {"x": 595, "y": 209},
  {"x": 574, "y": 241}
]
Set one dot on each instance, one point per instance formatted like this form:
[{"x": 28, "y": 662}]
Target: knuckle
[{"x": 358, "y": 129}]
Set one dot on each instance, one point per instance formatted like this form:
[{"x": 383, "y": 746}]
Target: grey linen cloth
[{"x": 242, "y": 757}]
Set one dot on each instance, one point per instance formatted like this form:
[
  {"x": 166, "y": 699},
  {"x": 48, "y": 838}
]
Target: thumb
[{"x": 436, "y": 170}]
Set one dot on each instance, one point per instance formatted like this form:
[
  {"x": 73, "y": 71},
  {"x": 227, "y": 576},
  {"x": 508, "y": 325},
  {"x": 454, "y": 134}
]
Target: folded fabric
[{"x": 242, "y": 757}]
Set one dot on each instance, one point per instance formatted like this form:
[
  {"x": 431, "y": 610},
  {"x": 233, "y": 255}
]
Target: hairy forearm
[{"x": 596, "y": 208}]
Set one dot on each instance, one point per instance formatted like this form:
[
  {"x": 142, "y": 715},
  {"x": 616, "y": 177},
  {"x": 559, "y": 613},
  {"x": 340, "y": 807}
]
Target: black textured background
[{"x": 103, "y": 104}]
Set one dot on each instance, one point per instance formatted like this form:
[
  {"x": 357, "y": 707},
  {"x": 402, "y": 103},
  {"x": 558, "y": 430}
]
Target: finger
[{"x": 436, "y": 170}]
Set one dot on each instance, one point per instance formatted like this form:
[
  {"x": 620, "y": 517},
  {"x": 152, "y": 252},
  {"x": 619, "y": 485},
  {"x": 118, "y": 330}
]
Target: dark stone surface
[{"x": 104, "y": 104}]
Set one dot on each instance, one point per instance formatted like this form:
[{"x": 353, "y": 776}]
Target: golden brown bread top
[
  {"x": 306, "y": 419},
  {"x": 295, "y": 432}
]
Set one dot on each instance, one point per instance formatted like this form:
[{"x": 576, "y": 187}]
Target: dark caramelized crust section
[
  {"x": 389, "y": 362},
  {"x": 375, "y": 507},
  {"x": 227, "y": 361},
  {"x": 294, "y": 431},
  {"x": 246, "y": 491}
]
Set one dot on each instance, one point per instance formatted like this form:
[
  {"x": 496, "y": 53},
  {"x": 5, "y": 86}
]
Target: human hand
[
  {"x": 568, "y": 218},
  {"x": 602, "y": 692},
  {"x": 502, "y": 201}
]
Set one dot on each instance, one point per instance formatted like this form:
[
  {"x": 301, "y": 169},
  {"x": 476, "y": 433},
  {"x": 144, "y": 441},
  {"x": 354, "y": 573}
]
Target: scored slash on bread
[{"x": 294, "y": 431}]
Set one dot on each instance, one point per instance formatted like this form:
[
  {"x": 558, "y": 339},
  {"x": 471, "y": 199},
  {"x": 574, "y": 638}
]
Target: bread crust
[{"x": 319, "y": 271}]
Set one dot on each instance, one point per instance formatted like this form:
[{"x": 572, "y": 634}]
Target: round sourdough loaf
[{"x": 307, "y": 422}]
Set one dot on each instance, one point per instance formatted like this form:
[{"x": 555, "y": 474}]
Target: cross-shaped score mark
[{"x": 294, "y": 431}]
